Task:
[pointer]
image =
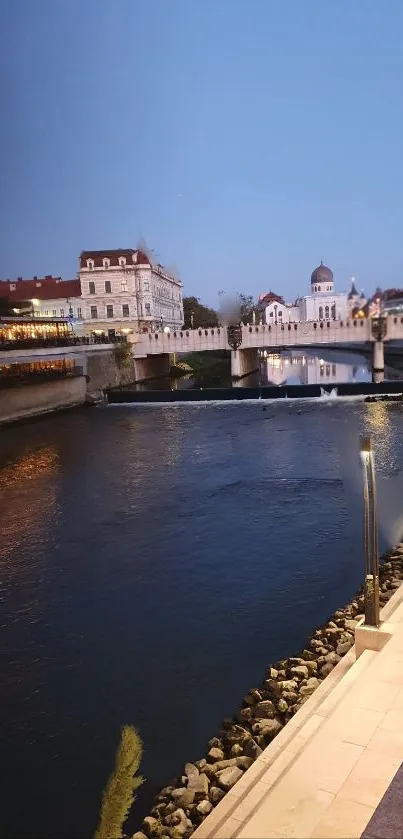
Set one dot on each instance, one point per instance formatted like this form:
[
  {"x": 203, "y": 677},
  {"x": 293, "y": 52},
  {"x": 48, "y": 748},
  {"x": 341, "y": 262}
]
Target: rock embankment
[{"x": 182, "y": 805}]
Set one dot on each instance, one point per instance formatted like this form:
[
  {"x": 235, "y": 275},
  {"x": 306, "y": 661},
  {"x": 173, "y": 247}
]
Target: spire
[{"x": 353, "y": 290}]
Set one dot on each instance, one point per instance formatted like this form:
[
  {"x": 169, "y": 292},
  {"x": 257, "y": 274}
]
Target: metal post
[{"x": 371, "y": 588}]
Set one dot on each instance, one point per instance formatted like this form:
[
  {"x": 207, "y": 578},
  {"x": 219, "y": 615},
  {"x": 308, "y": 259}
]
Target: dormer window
[
  {"x": 122, "y": 261},
  {"x": 12, "y": 286},
  {"x": 107, "y": 263},
  {"x": 90, "y": 264}
]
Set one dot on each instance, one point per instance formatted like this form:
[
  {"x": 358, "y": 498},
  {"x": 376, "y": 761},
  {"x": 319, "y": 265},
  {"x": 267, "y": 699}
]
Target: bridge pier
[
  {"x": 378, "y": 362},
  {"x": 151, "y": 367},
  {"x": 244, "y": 362}
]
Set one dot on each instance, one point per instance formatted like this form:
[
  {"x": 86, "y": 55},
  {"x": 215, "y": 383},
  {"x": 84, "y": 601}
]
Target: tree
[
  {"x": 194, "y": 313},
  {"x": 247, "y": 308},
  {"x": 120, "y": 791}
]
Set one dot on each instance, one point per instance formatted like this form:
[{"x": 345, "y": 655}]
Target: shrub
[
  {"x": 120, "y": 791},
  {"x": 122, "y": 353}
]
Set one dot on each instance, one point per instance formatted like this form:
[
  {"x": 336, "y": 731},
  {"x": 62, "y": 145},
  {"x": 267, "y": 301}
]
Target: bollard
[{"x": 371, "y": 587}]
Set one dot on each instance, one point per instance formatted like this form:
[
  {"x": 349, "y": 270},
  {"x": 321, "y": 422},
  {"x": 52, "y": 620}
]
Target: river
[{"x": 154, "y": 561}]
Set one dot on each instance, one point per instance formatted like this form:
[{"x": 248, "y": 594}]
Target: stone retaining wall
[{"x": 181, "y": 807}]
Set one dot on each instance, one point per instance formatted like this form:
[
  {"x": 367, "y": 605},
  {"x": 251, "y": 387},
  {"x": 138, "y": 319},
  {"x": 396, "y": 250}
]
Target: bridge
[{"x": 151, "y": 350}]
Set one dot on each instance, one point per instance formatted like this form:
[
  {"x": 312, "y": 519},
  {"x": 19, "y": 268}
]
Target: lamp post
[{"x": 371, "y": 587}]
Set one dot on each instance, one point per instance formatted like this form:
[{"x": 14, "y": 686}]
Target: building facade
[
  {"x": 45, "y": 297},
  {"x": 323, "y": 303},
  {"x": 125, "y": 291}
]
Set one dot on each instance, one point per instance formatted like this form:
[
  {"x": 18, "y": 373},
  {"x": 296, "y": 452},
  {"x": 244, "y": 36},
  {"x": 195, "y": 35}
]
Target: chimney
[
  {"x": 35, "y": 277},
  {"x": 19, "y": 279}
]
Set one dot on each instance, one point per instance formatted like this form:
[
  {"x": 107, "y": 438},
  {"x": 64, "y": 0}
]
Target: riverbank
[{"x": 183, "y": 805}]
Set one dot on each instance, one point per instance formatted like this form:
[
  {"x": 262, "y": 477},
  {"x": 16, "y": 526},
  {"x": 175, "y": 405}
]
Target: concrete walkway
[{"x": 326, "y": 772}]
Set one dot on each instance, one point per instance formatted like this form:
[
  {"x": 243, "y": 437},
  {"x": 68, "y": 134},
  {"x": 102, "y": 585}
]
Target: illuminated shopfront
[{"x": 22, "y": 330}]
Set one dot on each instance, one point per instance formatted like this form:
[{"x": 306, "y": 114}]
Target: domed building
[{"x": 323, "y": 303}]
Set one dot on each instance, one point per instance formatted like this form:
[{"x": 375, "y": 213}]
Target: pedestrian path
[{"x": 326, "y": 774}]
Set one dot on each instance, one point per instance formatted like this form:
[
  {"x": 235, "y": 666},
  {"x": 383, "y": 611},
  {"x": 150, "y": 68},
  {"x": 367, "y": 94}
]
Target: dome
[{"x": 321, "y": 274}]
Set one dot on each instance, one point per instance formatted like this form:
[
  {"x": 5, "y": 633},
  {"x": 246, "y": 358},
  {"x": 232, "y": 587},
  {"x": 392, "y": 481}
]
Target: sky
[{"x": 242, "y": 140}]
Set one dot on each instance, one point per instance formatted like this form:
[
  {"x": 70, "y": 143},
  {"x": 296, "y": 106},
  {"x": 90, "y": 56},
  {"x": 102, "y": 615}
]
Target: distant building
[
  {"x": 44, "y": 297},
  {"x": 323, "y": 303},
  {"x": 124, "y": 290}
]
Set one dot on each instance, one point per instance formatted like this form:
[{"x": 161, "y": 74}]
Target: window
[
  {"x": 327, "y": 313},
  {"x": 146, "y": 286},
  {"x": 107, "y": 263},
  {"x": 148, "y": 309},
  {"x": 125, "y": 310},
  {"x": 123, "y": 286},
  {"x": 320, "y": 312},
  {"x": 54, "y": 313},
  {"x": 122, "y": 261},
  {"x": 280, "y": 314},
  {"x": 91, "y": 288},
  {"x": 94, "y": 312},
  {"x": 108, "y": 287},
  {"x": 90, "y": 264},
  {"x": 271, "y": 314},
  {"x": 79, "y": 315},
  {"x": 109, "y": 311},
  {"x": 319, "y": 287},
  {"x": 46, "y": 313},
  {"x": 62, "y": 313},
  {"x": 334, "y": 311}
]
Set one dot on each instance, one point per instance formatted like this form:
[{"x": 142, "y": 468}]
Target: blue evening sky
[{"x": 244, "y": 140}]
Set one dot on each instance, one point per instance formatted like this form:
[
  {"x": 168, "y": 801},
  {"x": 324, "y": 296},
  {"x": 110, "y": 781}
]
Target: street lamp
[{"x": 371, "y": 587}]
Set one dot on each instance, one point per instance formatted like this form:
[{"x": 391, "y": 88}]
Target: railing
[
  {"x": 16, "y": 375},
  {"x": 67, "y": 341}
]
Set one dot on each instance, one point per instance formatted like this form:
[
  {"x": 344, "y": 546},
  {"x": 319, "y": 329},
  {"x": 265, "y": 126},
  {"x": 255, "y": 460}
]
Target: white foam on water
[{"x": 261, "y": 401}]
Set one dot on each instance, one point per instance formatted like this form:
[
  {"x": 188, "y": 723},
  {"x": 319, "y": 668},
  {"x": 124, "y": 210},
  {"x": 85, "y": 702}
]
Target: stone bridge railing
[{"x": 276, "y": 335}]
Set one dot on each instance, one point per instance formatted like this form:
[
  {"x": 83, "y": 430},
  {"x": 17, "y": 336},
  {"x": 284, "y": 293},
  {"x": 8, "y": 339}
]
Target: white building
[
  {"x": 323, "y": 303},
  {"x": 45, "y": 297},
  {"x": 124, "y": 291}
]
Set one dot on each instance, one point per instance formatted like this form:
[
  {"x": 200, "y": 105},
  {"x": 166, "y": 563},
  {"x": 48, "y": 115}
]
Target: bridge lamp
[
  {"x": 166, "y": 329},
  {"x": 371, "y": 586}
]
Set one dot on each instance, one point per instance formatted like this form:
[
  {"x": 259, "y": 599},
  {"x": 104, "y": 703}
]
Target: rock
[
  {"x": 290, "y": 697},
  {"x": 267, "y": 728},
  {"x": 295, "y": 662},
  {"x": 165, "y": 793},
  {"x": 244, "y": 715},
  {"x": 139, "y": 835},
  {"x": 252, "y": 749},
  {"x": 312, "y": 667},
  {"x": 326, "y": 669},
  {"x": 344, "y": 647},
  {"x": 224, "y": 764},
  {"x": 332, "y": 658},
  {"x": 301, "y": 671},
  {"x": 214, "y": 754},
  {"x": 236, "y": 750},
  {"x": 216, "y": 795},
  {"x": 191, "y": 772},
  {"x": 200, "y": 786},
  {"x": 210, "y": 771},
  {"x": 214, "y": 743},
  {"x": 287, "y": 685},
  {"x": 272, "y": 673},
  {"x": 244, "y": 762},
  {"x": 395, "y": 583},
  {"x": 311, "y": 685},
  {"x": 183, "y": 796},
  {"x": 282, "y": 706},
  {"x": 255, "y": 694},
  {"x": 228, "y": 777},
  {"x": 272, "y": 686},
  {"x": 308, "y": 655},
  {"x": 201, "y": 763},
  {"x": 237, "y": 734},
  {"x": 350, "y": 624},
  {"x": 265, "y": 709},
  {"x": 204, "y": 808},
  {"x": 150, "y": 824}
]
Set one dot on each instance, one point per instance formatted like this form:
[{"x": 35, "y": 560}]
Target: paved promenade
[{"x": 327, "y": 771}]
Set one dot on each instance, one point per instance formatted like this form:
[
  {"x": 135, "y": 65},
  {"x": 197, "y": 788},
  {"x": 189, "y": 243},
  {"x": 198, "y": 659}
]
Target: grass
[{"x": 120, "y": 791}]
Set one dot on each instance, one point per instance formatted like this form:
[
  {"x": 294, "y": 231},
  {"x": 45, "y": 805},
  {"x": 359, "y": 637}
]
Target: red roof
[
  {"x": 270, "y": 297},
  {"x": 113, "y": 256},
  {"x": 40, "y": 288}
]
